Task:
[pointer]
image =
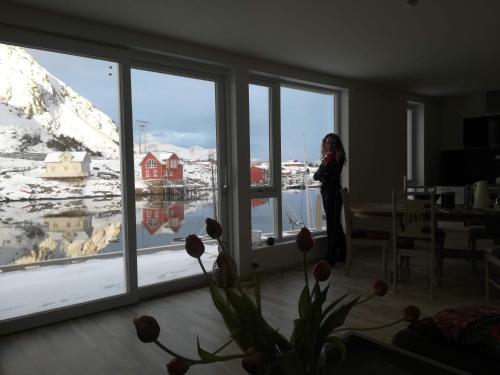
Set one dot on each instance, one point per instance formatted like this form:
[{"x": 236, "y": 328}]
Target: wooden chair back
[{"x": 413, "y": 229}]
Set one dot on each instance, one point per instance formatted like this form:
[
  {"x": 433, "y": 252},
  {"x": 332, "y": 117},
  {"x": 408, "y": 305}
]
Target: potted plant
[{"x": 263, "y": 349}]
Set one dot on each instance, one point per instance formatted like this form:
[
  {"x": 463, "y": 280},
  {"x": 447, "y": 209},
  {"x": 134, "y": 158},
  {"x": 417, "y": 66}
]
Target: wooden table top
[{"x": 454, "y": 214}]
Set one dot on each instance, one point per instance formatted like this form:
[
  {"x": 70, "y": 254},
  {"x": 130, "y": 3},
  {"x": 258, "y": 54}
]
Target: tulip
[
  {"x": 194, "y": 246},
  {"x": 321, "y": 270},
  {"x": 305, "y": 241},
  {"x": 253, "y": 362},
  {"x": 213, "y": 228},
  {"x": 411, "y": 313},
  {"x": 177, "y": 366},
  {"x": 147, "y": 328},
  {"x": 380, "y": 287}
]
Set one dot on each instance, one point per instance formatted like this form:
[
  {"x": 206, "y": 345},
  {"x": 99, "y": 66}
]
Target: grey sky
[{"x": 181, "y": 110}]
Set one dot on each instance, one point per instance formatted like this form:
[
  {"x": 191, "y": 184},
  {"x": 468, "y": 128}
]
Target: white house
[{"x": 67, "y": 164}]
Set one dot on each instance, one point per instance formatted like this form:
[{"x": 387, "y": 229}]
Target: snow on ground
[
  {"x": 46, "y": 288},
  {"x": 22, "y": 179}
]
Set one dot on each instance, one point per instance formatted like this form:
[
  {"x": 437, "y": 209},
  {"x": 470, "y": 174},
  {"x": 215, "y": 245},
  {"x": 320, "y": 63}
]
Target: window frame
[
  {"x": 415, "y": 112},
  {"x": 219, "y": 76},
  {"x": 127, "y": 59},
  {"x": 274, "y": 189},
  {"x": 232, "y": 73}
]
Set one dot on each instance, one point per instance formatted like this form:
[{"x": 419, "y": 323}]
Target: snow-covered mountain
[
  {"x": 185, "y": 153},
  {"x": 40, "y": 113}
]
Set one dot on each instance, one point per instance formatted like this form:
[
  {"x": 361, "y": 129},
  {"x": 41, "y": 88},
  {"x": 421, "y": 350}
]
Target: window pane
[
  {"x": 306, "y": 117},
  {"x": 259, "y": 135},
  {"x": 175, "y": 172},
  {"x": 409, "y": 144},
  {"x": 262, "y": 220},
  {"x": 60, "y": 191}
]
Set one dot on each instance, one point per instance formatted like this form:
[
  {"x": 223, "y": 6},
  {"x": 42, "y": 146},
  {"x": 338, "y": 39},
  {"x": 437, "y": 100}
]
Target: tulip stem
[
  {"x": 174, "y": 354},
  {"x": 364, "y": 299},
  {"x": 204, "y": 271},
  {"x": 199, "y": 361},
  {"x": 223, "y": 346},
  {"x": 305, "y": 274},
  {"x": 368, "y": 328}
]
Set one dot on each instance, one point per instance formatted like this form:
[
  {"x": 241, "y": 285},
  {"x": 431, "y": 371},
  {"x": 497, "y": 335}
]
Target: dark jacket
[{"x": 329, "y": 175}]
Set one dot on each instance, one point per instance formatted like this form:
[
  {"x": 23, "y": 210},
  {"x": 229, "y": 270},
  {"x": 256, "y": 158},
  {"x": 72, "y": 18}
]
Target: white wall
[{"x": 377, "y": 142}]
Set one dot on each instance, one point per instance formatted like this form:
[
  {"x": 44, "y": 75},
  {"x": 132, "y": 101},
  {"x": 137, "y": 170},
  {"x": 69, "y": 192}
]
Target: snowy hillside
[
  {"x": 39, "y": 113},
  {"x": 185, "y": 153}
]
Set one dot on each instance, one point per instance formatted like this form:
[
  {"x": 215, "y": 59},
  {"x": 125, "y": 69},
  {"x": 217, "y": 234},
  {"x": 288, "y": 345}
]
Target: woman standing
[{"x": 333, "y": 159}]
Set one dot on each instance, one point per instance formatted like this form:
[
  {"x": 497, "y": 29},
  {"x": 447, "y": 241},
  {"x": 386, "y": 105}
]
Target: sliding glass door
[
  {"x": 176, "y": 168},
  {"x": 60, "y": 181}
]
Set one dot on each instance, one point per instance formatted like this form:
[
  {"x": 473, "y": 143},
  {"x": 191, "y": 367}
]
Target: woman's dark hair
[{"x": 339, "y": 148}]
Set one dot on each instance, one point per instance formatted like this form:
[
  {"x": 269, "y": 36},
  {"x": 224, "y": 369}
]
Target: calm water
[{"x": 45, "y": 230}]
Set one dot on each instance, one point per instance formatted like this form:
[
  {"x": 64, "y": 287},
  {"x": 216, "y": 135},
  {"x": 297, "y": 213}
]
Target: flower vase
[{"x": 224, "y": 271}]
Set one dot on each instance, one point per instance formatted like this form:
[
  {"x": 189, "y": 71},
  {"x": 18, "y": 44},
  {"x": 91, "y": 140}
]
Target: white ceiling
[{"x": 439, "y": 47}]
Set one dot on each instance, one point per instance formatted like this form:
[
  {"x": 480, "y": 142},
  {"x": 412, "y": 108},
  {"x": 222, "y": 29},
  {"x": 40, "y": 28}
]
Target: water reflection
[
  {"x": 163, "y": 217},
  {"x": 40, "y": 231}
]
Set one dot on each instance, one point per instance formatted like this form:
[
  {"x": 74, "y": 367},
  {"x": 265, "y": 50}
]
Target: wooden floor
[{"x": 106, "y": 343}]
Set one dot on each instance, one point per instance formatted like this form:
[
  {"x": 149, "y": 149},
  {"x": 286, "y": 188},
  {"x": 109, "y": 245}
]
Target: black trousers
[{"x": 332, "y": 204}]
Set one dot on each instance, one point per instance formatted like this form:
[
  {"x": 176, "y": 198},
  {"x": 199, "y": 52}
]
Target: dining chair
[
  {"x": 492, "y": 269},
  {"x": 414, "y": 234},
  {"x": 362, "y": 236},
  {"x": 481, "y": 232}
]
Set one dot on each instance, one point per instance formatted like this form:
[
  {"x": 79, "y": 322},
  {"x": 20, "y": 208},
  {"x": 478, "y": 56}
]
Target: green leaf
[
  {"x": 230, "y": 318},
  {"x": 291, "y": 363},
  {"x": 324, "y": 293},
  {"x": 304, "y": 302},
  {"x": 316, "y": 290},
  {"x": 211, "y": 357},
  {"x": 335, "y": 319},
  {"x": 206, "y": 356},
  {"x": 279, "y": 339},
  {"x": 333, "y": 304},
  {"x": 338, "y": 343},
  {"x": 300, "y": 333},
  {"x": 245, "y": 337},
  {"x": 295, "y": 324}
]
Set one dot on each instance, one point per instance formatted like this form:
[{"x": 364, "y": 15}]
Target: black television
[{"x": 481, "y": 132}]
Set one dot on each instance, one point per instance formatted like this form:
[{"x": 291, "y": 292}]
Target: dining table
[
  {"x": 457, "y": 214},
  {"x": 490, "y": 218}
]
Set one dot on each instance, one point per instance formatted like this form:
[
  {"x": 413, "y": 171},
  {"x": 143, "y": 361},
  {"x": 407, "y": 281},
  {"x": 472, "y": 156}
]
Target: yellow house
[
  {"x": 67, "y": 164},
  {"x": 69, "y": 227}
]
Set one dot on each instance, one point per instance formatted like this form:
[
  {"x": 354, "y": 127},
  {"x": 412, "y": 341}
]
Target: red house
[
  {"x": 169, "y": 218},
  {"x": 258, "y": 175},
  {"x": 162, "y": 166}
]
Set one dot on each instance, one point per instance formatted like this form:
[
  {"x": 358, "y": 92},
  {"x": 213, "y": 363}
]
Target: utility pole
[{"x": 142, "y": 129}]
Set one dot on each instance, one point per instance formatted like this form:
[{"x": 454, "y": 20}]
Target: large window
[
  {"x": 414, "y": 143},
  {"x": 306, "y": 117},
  {"x": 70, "y": 123},
  {"x": 175, "y": 118},
  {"x": 284, "y": 204},
  {"x": 409, "y": 143},
  {"x": 60, "y": 192},
  {"x": 259, "y": 135}
]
